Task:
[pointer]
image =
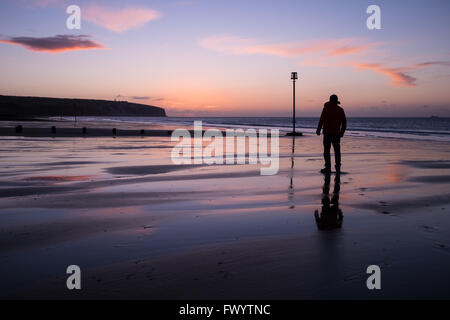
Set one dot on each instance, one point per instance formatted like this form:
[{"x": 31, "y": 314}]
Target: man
[{"x": 334, "y": 124}]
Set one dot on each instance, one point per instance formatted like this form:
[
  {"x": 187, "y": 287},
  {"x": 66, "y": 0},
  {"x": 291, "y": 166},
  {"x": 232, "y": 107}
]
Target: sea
[{"x": 432, "y": 128}]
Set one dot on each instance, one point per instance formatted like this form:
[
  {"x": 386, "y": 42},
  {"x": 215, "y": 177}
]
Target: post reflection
[{"x": 291, "y": 176}]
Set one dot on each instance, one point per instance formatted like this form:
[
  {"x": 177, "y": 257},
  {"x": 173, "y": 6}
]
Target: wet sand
[{"x": 141, "y": 227}]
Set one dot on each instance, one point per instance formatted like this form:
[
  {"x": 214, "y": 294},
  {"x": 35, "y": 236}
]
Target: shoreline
[{"x": 132, "y": 126}]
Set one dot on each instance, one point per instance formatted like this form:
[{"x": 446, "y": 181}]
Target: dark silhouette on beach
[
  {"x": 331, "y": 216},
  {"x": 334, "y": 123}
]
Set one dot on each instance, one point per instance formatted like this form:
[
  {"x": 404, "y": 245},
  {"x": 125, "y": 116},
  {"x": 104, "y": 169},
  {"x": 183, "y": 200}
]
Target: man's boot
[{"x": 325, "y": 170}]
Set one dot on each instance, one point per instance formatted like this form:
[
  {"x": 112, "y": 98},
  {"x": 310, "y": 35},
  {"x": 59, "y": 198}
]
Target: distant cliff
[{"x": 24, "y": 107}]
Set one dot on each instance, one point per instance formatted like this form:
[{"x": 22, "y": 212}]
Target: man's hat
[{"x": 334, "y": 98}]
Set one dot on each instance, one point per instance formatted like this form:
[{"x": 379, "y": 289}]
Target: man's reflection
[{"x": 331, "y": 216}]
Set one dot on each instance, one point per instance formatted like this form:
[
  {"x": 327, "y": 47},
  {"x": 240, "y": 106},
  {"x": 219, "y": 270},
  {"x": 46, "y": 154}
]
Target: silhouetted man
[{"x": 334, "y": 124}]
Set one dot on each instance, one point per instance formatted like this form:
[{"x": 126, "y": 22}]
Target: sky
[{"x": 233, "y": 57}]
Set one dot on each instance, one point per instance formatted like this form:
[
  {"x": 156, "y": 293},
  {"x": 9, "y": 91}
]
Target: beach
[{"x": 141, "y": 227}]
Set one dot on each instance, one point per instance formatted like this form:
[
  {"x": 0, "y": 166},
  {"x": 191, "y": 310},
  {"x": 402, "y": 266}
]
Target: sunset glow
[{"x": 211, "y": 58}]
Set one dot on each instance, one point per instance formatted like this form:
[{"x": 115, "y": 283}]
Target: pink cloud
[
  {"x": 325, "y": 53},
  {"x": 54, "y": 44},
  {"x": 397, "y": 75},
  {"x": 119, "y": 20},
  {"x": 349, "y": 49},
  {"x": 238, "y": 45}
]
